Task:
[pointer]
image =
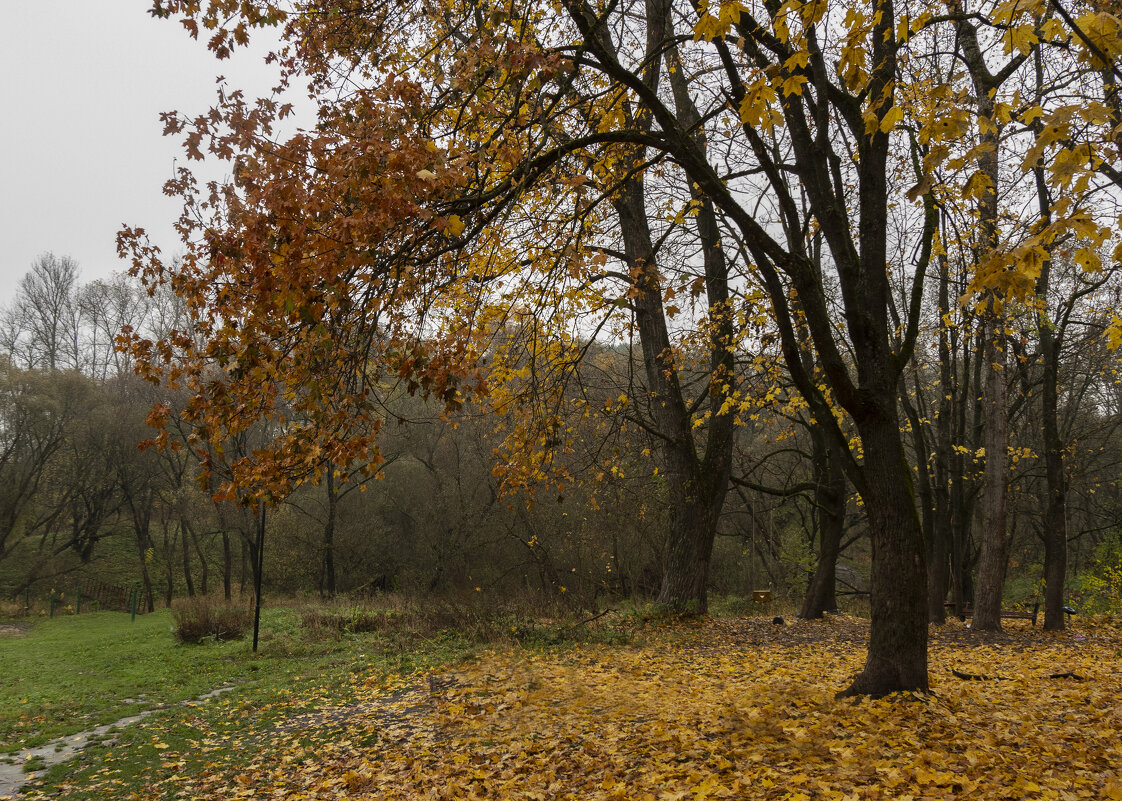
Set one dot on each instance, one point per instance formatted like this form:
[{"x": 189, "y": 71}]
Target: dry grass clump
[{"x": 206, "y": 618}]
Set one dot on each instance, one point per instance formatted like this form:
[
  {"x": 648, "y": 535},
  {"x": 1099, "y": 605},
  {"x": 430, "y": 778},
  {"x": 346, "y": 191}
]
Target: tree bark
[
  {"x": 829, "y": 502},
  {"x": 897, "y": 658},
  {"x": 992, "y": 556},
  {"x": 227, "y": 567},
  {"x": 329, "y": 534},
  {"x": 185, "y": 547},
  {"x": 1055, "y": 514},
  {"x": 991, "y": 562}
]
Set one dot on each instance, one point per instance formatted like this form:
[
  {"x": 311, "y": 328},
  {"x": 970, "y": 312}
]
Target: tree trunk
[
  {"x": 964, "y": 498},
  {"x": 897, "y": 658},
  {"x": 169, "y": 563},
  {"x": 992, "y": 557},
  {"x": 141, "y": 516},
  {"x": 940, "y": 535},
  {"x": 329, "y": 535},
  {"x": 145, "y": 578},
  {"x": 227, "y": 567},
  {"x": 991, "y": 563},
  {"x": 697, "y": 483},
  {"x": 697, "y": 487},
  {"x": 685, "y": 576},
  {"x": 186, "y": 549},
  {"x": 244, "y": 569},
  {"x": 1055, "y": 515},
  {"x": 829, "y": 502}
]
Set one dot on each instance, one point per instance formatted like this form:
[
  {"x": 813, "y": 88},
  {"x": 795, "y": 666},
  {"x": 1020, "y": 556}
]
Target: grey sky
[{"x": 82, "y": 85}]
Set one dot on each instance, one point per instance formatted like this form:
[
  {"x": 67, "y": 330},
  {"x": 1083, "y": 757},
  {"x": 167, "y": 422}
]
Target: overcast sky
[{"x": 82, "y": 85}]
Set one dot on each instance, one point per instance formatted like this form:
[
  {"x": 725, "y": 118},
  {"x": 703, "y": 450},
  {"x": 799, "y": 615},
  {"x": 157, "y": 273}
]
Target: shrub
[{"x": 205, "y": 618}]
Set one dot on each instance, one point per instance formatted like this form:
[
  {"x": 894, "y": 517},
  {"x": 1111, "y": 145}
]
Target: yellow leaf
[
  {"x": 1088, "y": 260},
  {"x": 794, "y": 85},
  {"x": 798, "y": 61},
  {"x": 891, "y": 118},
  {"x": 708, "y": 28}
]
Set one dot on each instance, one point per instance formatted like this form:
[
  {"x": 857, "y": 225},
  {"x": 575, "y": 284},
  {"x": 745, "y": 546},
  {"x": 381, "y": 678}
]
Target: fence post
[
  {"x": 52, "y": 603},
  {"x": 27, "y": 600},
  {"x": 133, "y": 598},
  {"x": 78, "y": 605}
]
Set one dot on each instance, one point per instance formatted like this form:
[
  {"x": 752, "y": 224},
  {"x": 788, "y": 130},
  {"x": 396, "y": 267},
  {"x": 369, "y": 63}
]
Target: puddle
[{"x": 12, "y": 777}]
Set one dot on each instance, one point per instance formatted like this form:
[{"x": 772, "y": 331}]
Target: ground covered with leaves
[{"x": 715, "y": 709}]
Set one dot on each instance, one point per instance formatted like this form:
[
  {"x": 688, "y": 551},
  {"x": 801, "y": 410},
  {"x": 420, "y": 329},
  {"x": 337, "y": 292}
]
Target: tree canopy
[{"x": 491, "y": 187}]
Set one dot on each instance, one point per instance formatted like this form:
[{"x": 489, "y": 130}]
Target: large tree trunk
[
  {"x": 897, "y": 658},
  {"x": 685, "y": 576}
]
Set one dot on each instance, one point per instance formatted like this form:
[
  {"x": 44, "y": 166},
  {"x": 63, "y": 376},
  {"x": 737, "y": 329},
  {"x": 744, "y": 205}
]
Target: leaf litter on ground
[{"x": 725, "y": 708}]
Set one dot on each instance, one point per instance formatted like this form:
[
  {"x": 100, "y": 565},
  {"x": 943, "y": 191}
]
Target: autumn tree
[
  {"x": 509, "y": 116},
  {"x": 577, "y": 172}
]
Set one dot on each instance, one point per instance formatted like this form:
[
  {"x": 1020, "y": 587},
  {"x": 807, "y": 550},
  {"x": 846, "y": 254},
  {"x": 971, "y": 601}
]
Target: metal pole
[
  {"x": 78, "y": 609},
  {"x": 132, "y": 602},
  {"x": 52, "y": 603},
  {"x": 260, "y": 569}
]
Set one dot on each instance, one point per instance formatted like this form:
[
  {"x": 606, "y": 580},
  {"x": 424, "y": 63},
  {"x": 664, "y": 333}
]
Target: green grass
[{"x": 73, "y": 673}]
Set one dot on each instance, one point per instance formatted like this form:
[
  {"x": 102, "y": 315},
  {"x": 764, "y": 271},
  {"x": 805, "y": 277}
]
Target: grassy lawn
[{"x": 73, "y": 673}]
